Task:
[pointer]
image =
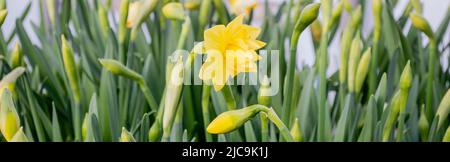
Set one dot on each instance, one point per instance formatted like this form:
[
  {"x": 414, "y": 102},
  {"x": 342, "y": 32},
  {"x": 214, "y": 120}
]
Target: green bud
[
  {"x": 70, "y": 67},
  {"x": 20, "y": 136},
  {"x": 16, "y": 56},
  {"x": 126, "y": 136},
  {"x": 232, "y": 120},
  {"x": 173, "y": 11},
  {"x": 3, "y": 14},
  {"x": 84, "y": 127},
  {"x": 443, "y": 109},
  {"x": 406, "y": 77},
  {"x": 9, "y": 118},
  {"x": 424, "y": 126},
  {"x": 447, "y": 135},
  {"x": 353, "y": 61},
  {"x": 422, "y": 24},
  {"x": 155, "y": 131},
  {"x": 264, "y": 92},
  {"x": 308, "y": 15},
  {"x": 381, "y": 90},
  {"x": 118, "y": 68},
  {"x": 295, "y": 131},
  {"x": 363, "y": 68}
]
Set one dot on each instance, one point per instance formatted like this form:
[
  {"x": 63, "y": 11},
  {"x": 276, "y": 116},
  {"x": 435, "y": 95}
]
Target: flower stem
[
  {"x": 229, "y": 97},
  {"x": 431, "y": 75},
  {"x": 205, "y": 110}
]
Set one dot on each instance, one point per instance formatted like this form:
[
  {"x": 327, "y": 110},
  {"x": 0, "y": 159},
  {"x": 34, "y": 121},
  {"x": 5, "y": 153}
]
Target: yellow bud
[
  {"x": 295, "y": 131},
  {"x": 443, "y": 109},
  {"x": 406, "y": 77},
  {"x": 118, "y": 68},
  {"x": 126, "y": 136},
  {"x": 16, "y": 56},
  {"x": 3, "y": 14},
  {"x": 192, "y": 4},
  {"x": 133, "y": 13},
  {"x": 173, "y": 11},
  {"x": 232, "y": 120},
  {"x": 9, "y": 119},
  {"x": 20, "y": 136},
  {"x": 422, "y": 24},
  {"x": 377, "y": 6},
  {"x": 363, "y": 68},
  {"x": 417, "y": 6}
]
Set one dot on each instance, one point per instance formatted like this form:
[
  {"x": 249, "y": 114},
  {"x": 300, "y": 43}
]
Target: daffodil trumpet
[{"x": 234, "y": 119}]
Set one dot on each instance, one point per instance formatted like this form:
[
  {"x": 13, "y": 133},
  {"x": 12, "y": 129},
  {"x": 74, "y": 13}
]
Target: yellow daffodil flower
[
  {"x": 231, "y": 50},
  {"x": 239, "y": 7}
]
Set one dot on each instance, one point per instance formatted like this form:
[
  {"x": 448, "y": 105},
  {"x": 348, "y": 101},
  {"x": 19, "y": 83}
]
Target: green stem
[
  {"x": 205, "y": 110},
  {"x": 401, "y": 123},
  {"x": 264, "y": 128},
  {"x": 431, "y": 75},
  {"x": 229, "y": 97},
  {"x": 148, "y": 96},
  {"x": 322, "y": 134},
  {"x": 290, "y": 74},
  {"x": 284, "y": 131}
]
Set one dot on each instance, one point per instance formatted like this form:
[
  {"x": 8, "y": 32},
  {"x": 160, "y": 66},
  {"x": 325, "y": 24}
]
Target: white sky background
[{"x": 434, "y": 12}]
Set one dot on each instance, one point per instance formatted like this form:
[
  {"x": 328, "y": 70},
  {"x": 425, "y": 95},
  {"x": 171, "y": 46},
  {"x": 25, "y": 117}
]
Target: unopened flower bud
[
  {"x": 295, "y": 132},
  {"x": 232, "y": 120},
  {"x": 422, "y": 24},
  {"x": 126, "y": 136},
  {"x": 406, "y": 77},
  {"x": 264, "y": 92},
  {"x": 308, "y": 15},
  {"x": 363, "y": 68},
  {"x": 118, "y": 68},
  {"x": 173, "y": 11}
]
